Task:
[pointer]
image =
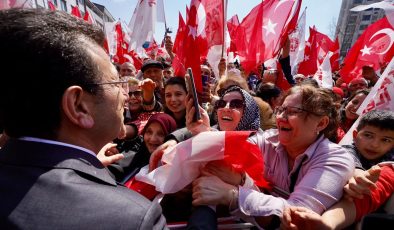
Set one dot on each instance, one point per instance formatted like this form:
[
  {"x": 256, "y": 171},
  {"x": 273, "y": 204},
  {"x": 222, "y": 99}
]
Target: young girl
[
  {"x": 158, "y": 126},
  {"x": 175, "y": 98}
]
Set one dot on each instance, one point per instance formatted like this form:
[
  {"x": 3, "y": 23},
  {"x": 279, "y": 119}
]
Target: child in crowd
[{"x": 373, "y": 141}]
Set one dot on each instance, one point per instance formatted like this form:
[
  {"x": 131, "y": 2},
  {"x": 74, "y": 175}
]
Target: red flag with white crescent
[{"x": 373, "y": 48}]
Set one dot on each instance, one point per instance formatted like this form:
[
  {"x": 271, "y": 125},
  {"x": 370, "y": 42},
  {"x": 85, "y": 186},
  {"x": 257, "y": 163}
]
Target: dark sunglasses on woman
[{"x": 233, "y": 104}]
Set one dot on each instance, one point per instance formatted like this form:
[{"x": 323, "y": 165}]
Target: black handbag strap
[{"x": 294, "y": 176}]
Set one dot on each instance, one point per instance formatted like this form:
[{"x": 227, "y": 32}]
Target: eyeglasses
[
  {"x": 233, "y": 104},
  {"x": 123, "y": 83},
  {"x": 135, "y": 93},
  {"x": 292, "y": 111}
]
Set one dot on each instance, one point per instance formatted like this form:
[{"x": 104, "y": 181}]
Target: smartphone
[{"x": 191, "y": 89}]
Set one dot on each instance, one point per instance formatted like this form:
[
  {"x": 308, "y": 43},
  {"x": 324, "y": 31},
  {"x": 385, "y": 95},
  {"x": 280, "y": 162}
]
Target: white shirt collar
[{"x": 35, "y": 139}]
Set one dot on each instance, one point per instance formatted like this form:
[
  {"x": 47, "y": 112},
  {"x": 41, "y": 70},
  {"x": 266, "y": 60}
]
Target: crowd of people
[{"x": 90, "y": 126}]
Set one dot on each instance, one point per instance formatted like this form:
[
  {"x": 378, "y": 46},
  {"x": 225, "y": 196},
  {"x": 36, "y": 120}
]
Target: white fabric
[
  {"x": 143, "y": 22},
  {"x": 110, "y": 34},
  {"x": 323, "y": 75},
  {"x": 182, "y": 162},
  {"x": 297, "y": 43},
  {"x": 380, "y": 97},
  {"x": 7, "y": 4}
]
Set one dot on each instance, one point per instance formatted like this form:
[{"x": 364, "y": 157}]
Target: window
[
  {"x": 357, "y": 1},
  {"x": 63, "y": 5},
  {"x": 55, "y": 2},
  {"x": 352, "y": 19},
  {"x": 366, "y": 17},
  {"x": 350, "y": 29}
]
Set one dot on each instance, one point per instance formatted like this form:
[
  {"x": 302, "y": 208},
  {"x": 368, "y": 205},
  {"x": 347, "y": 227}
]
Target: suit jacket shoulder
[{"x": 48, "y": 186}]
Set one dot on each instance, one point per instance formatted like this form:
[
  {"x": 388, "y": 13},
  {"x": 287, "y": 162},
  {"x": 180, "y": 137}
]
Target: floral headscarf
[{"x": 250, "y": 119}]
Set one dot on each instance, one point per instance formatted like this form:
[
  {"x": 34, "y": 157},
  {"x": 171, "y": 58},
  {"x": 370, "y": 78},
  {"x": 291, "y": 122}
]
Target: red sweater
[{"x": 385, "y": 188}]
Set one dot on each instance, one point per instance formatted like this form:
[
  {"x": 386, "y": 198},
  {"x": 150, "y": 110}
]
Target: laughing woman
[
  {"x": 175, "y": 98},
  {"x": 303, "y": 166}
]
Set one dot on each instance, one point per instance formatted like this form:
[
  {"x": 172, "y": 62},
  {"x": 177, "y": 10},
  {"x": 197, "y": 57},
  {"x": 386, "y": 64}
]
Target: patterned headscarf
[{"x": 250, "y": 119}]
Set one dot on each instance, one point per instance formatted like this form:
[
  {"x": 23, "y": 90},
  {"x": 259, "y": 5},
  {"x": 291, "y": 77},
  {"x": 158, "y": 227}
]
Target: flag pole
[
  {"x": 166, "y": 29},
  {"x": 224, "y": 8}
]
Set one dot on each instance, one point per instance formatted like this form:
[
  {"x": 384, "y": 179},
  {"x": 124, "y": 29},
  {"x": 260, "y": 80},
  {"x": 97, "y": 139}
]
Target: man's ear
[
  {"x": 323, "y": 123},
  {"x": 355, "y": 132},
  {"x": 75, "y": 103}
]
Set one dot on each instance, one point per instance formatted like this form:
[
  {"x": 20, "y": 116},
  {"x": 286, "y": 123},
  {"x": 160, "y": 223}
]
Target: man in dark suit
[{"x": 62, "y": 103}]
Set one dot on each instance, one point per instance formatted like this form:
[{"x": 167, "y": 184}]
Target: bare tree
[{"x": 332, "y": 28}]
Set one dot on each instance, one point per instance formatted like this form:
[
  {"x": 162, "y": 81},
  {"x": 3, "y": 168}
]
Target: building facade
[
  {"x": 99, "y": 13},
  {"x": 352, "y": 24}
]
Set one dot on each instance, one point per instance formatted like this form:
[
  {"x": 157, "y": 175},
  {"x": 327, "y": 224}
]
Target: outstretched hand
[
  {"x": 109, "y": 154},
  {"x": 362, "y": 182},
  {"x": 156, "y": 156}
]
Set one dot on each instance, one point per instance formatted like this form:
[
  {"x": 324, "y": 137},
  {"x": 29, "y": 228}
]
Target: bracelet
[{"x": 234, "y": 198}]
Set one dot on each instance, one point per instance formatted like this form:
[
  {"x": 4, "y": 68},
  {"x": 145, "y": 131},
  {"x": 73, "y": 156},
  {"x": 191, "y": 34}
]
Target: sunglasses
[
  {"x": 233, "y": 104},
  {"x": 135, "y": 93}
]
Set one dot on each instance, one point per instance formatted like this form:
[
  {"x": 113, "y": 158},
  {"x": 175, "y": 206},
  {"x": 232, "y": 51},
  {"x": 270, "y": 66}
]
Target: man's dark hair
[
  {"x": 43, "y": 53},
  {"x": 382, "y": 119}
]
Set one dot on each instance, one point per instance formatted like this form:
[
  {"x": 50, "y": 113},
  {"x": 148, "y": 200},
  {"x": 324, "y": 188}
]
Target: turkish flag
[
  {"x": 179, "y": 68},
  {"x": 75, "y": 11},
  {"x": 264, "y": 30},
  {"x": 373, "y": 48},
  {"x": 232, "y": 26},
  {"x": 319, "y": 45},
  {"x": 212, "y": 12},
  {"x": 248, "y": 40},
  {"x": 323, "y": 45},
  {"x": 88, "y": 18},
  {"x": 334, "y": 60},
  {"x": 183, "y": 161},
  {"x": 190, "y": 53},
  {"x": 119, "y": 58},
  {"x": 180, "y": 34},
  {"x": 117, "y": 46},
  {"x": 310, "y": 63}
]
